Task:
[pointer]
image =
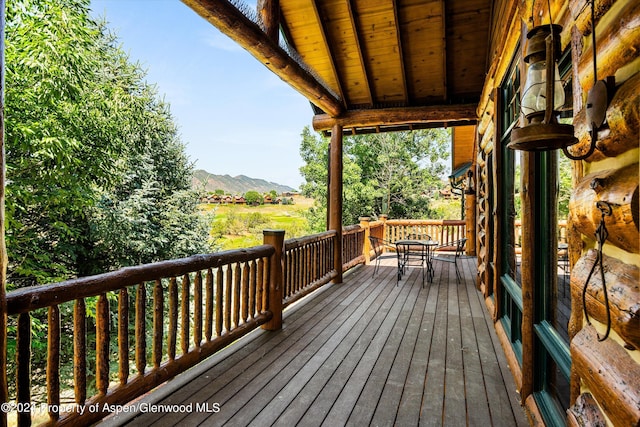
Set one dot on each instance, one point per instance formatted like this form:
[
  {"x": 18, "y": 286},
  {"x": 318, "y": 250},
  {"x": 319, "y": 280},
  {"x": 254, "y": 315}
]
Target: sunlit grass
[{"x": 240, "y": 226}]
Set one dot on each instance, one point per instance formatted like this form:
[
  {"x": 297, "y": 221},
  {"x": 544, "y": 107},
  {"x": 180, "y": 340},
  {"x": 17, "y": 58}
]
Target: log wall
[
  {"x": 605, "y": 374},
  {"x": 600, "y": 370}
]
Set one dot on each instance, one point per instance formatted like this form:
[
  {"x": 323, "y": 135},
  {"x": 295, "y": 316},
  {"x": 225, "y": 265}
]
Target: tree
[
  {"x": 253, "y": 198},
  {"x": 82, "y": 128},
  {"x": 387, "y": 173}
]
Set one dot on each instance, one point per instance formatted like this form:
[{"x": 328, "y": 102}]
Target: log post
[
  {"x": 275, "y": 286},
  {"x": 366, "y": 246},
  {"x": 4, "y": 392},
  {"x": 335, "y": 197},
  {"x": 470, "y": 219}
]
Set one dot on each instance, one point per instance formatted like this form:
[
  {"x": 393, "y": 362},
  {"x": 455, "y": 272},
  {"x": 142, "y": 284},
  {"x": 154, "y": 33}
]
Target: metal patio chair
[
  {"x": 379, "y": 247},
  {"x": 459, "y": 245}
]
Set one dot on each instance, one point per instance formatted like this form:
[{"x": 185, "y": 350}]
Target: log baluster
[
  {"x": 184, "y": 324},
  {"x": 23, "y": 366},
  {"x": 296, "y": 271},
  {"x": 252, "y": 289},
  {"x": 197, "y": 309},
  {"x": 227, "y": 298},
  {"x": 123, "y": 336},
  {"x": 172, "y": 334},
  {"x": 236, "y": 294},
  {"x": 53, "y": 362},
  {"x": 102, "y": 344},
  {"x": 260, "y": 286},
  {"x": 219, "y": 300},
  {"x": 141, "y": 329},
  {"x": 208, "y": 323},
  {"x": 80, "y": 351},
  {"x": 244, "y": 293},
  {"x": 158, "y": 322}
]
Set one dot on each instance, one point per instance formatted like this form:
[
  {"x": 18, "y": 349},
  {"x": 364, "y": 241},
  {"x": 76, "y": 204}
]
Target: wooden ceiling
[{"x": 373, "y": 65}]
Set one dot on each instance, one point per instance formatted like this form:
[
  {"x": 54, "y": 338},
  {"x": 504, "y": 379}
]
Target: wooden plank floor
[{"x": 366, "y": 352}]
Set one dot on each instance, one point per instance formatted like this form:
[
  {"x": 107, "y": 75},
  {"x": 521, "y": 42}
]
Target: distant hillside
[{"x": 234, "y": 184}]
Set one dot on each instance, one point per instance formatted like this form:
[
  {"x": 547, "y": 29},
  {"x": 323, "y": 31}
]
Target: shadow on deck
[{"x": 366, "y": 352}]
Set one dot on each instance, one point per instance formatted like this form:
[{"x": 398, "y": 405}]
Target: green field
[{"x": 240, "y": 226}]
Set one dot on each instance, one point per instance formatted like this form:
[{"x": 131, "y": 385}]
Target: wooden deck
[{"x": 366, "y": 352}]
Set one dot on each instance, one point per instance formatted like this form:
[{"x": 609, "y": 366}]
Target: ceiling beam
[
  {"x": 332, "y": 56},
  {"x": 403, "y": 72},
  {"x": 269, "y": 11},
  {"x": 443, "y": 6},
  {"x": 359, "y": 42},
  {"x": 397, "y": 116},
  {"x": 230, "y": 21}
]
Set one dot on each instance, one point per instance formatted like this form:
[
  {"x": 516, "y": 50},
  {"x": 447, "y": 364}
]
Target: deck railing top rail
[{"x": 31, "y": 298}]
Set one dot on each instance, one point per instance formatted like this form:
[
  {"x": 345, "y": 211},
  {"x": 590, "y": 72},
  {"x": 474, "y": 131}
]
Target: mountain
[{"x": 234, "y": 184}]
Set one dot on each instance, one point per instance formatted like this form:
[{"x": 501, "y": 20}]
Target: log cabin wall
[{"x": 605, "y": 376}]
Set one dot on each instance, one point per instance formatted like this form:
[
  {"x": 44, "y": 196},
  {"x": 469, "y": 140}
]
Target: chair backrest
[{"x": 460, "y": 246}]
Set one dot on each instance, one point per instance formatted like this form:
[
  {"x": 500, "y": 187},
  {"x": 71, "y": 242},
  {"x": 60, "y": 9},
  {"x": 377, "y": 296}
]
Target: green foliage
[
  {"x": 565, "y": 186},
  {"x": 387, "y": 173},
  {"x": 252, "y": 197},
  {"x": 96, "y": 175}
]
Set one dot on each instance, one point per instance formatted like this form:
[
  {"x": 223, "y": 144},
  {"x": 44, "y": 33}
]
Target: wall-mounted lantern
[
  {"x": 543, "y": 95},
  {"x": 469, "y": 185}
]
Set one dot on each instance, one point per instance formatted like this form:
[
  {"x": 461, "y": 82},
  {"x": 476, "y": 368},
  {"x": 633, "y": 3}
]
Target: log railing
[
  {"x": 133, "y": 329},
  {"x": 353, "y": 238},
  {"x": 441, "y": 230},
  {"x": 308, "y": 264},
  {"x": 194, "y": 307}
]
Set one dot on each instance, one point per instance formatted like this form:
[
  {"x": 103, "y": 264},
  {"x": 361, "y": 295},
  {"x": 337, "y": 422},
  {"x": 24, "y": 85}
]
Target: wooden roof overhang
[{"x": 369, "y": 65}]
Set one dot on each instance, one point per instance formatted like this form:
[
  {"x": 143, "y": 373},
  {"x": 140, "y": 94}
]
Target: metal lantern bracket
[
  {"x": 601, "y": 236},
  {"x": 598, "y": 100}
]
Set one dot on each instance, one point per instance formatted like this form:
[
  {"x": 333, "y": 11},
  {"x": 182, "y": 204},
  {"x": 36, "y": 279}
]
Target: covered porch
[{"x": 364, "y": 352}]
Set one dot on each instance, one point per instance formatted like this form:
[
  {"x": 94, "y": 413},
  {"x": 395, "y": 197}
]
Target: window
[
  {"x": 508, "y": 212},
  {"x": 552, "y": 362}
]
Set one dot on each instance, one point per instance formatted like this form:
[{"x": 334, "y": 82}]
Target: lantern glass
[{"x": 534, "y": 95}]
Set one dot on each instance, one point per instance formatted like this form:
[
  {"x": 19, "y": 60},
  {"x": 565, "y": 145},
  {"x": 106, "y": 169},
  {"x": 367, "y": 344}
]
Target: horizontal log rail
[{"x": 193, "y": 307}]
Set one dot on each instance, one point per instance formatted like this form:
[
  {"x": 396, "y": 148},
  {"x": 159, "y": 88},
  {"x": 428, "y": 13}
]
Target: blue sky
[{"x": 235, "y": 116}]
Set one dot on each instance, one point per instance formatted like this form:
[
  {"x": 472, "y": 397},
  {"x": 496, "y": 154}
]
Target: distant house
[
  {"x": 445, "y": 193},
  {"x": 239, "y": 200}
]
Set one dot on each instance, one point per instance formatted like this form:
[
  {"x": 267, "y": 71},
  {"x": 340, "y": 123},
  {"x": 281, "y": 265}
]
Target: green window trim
[
  {"x": 512, "y": 289},
  {"x": 549, "y": 409},
  {"x": 555, "y": 346}
]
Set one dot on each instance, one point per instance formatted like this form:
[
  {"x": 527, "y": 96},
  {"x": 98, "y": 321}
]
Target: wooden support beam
[
  {"x": 359, "y": 43},
  {"x": 335, "y": 197},
  {"x": 329, "y": 47},
  {"x": 405, "y": 90},
  {"x": 269, "y": 11},
  {"x": 397, "y": 116},
  {"x": 230, "y": 21}
]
